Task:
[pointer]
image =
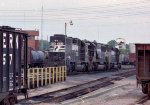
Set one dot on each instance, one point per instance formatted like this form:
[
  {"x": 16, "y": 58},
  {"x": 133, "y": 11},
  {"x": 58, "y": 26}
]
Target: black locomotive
[{"x": 83, "y": 55}]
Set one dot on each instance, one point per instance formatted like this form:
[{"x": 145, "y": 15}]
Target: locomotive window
[
  {"x": 51, "y": 46},
  {"x": 62, "y": 47}
]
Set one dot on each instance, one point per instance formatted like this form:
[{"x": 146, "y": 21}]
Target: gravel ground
[{"x": 123, "y": 92}]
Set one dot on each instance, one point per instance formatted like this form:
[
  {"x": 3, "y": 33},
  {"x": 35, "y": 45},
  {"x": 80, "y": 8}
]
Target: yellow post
[
  {"x": 53, "y": 76},
  {"x": 49, "y": 69},
  {"x": 33, "y": 77},
  {"x": 56, "y": 71},
  {"x": 29, "y": 78},
  {"x": 37, "y": 77},
  {"x": 60, "y": 74},
  {"x": 45, "y": 76},
  {"x": 65, "y": 72},
  {"x": 22, "y": 76},
  {"x": 42, "y": 76}
]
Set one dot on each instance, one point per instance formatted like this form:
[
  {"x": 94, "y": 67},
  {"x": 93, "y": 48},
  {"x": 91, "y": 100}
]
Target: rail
[{"x": 44, "y": 76}]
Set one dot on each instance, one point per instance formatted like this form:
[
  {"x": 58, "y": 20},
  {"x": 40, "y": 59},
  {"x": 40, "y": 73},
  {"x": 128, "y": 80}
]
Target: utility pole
[
  {"x": 42, "y": 27},
  {"x": 24, "y": 20},
  {"x": 65, "y": 28}
]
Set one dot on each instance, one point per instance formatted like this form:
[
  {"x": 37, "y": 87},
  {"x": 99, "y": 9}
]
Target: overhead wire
[
  {"x": 81, "y": 8},
  {"x": 82, "y": 15},
  {"x": 135, "y": 10}
]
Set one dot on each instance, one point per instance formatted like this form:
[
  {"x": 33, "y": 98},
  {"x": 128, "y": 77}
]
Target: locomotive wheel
[
  {"x": 90, "y": 67},
  {"x": 144, "y": 88},
  {"x": 106, "y": 67},
  {"x": 73, "y": 68},
  {"x": 84, "y": 68},
  {"x": 119, "y": 66},
  {"x": 13, "y": 99},
  {"x": 6, "y": 101},
  {"x": 87, "y": 68},
  {"x": 96, "y": 66},
  {"x": 148, "y": 88}
]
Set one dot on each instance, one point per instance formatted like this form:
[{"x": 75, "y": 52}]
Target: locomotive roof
[{"x": 60, "y": 35}]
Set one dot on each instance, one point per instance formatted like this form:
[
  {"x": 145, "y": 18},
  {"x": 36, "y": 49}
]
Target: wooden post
[
  {"x": 41, "y": 76},
  {"x": 33, "y": 77},
  {"x": 45, "y": 76},
  {"x": 29, "y": 78}
]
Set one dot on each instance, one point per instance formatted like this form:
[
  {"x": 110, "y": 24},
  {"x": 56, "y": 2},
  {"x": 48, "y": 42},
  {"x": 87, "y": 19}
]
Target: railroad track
[
  {"x": 76, "y": 91},
  {"x": 95, "y": 71},
  {"x": 141, "y": 101}
]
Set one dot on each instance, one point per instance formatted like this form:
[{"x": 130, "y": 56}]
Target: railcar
[
  {"x": 143, "y": 66},
  {"x": 11, "y": 44},
  {"x": 36, "y": 58}
]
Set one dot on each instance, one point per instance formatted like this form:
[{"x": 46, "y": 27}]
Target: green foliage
[
  {"x": 112, "y": 43},
  {"x": 125, "y": 51},
  {"x": 45, "y": 45}
]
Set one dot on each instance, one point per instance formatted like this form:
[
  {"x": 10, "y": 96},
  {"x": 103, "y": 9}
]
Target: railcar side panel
[
  {"x": 143, "y": 61},
  {"x": 11, "y": 44}
]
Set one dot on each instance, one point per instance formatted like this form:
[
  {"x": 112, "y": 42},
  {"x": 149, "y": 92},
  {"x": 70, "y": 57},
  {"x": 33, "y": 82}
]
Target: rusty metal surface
[{"x": 143, "y": 61}]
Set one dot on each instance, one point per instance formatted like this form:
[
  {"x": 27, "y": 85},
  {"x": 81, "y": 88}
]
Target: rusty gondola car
[
  {"x": 11, "y": 44},
  {"x": 143, "y": 66}
]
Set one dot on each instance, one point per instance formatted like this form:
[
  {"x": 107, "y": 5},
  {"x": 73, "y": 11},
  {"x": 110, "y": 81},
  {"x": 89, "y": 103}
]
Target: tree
[
  {"x": 45, "y": 46},
  {"x": 126, "y": 50},
  {"x": 112, "y": 43}
]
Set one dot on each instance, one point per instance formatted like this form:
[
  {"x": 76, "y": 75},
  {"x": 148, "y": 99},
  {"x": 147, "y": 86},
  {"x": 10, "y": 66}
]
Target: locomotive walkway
[{"x": 72, "y": 81}]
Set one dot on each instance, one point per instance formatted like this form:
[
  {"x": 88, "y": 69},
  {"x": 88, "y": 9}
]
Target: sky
[{"x": 100, "y": 20}]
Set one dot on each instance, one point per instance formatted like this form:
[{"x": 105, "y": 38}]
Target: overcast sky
[{"x": 100, "y": 20}]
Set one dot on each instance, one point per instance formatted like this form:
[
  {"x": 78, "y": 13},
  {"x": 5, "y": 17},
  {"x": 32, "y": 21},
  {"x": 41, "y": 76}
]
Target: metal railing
[{"x": 38, "y": 77}]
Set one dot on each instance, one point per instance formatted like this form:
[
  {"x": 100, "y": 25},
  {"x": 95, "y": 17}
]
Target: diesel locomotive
[{"x": 83, "y": 55}]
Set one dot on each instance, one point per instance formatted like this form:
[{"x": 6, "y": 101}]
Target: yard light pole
[{"x": 71, "y": 23}]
